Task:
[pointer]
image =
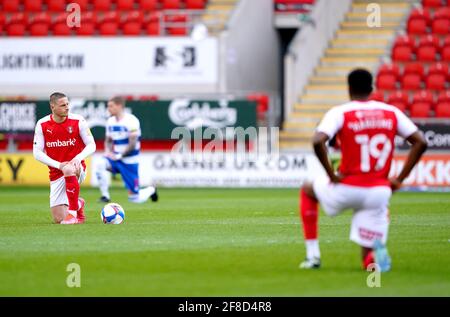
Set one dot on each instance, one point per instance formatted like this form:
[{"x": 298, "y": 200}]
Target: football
[{"x": 113, "y": 213}]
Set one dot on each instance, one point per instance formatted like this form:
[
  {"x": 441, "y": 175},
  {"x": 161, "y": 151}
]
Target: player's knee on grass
[
  {"x": 58, "y": 213},
  {"x": 69, "y": 170},
  {"x": 308, "y": 189}
]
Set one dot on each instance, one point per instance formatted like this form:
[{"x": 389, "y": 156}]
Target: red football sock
[
  {"x": 309, "y": 214},
  {"x": 369, "y": 259},
  {"x": 72, "y": 191}
]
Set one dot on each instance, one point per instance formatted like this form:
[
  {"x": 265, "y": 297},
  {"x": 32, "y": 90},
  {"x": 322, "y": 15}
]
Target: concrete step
[
  {"x": 286, "y": 134},
  {"x": 367, "y": 34},
  {"x": 300, "y": 124},
  {"x": 320, "y": 80},
  {"x": 385, "y": 16},
  {"x": 326, "y": 89},
  {"x": 339, "y": 71},
  {"x": 317, "y": 116},
  {"x": 343, "y": 52},
  {"x": 391, "y": 8},
  {"x": 359, "y": 43},
  {"x": 296, "y": 145},
  {"x": 301, "y": 107},
  {"x": 349, "y": 62},
  {"x": 362, "y": 25},
  {"x": 324, "y": 99}
]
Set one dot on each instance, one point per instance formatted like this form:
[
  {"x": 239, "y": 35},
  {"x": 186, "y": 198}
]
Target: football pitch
[{"x": 214, "y": 242}]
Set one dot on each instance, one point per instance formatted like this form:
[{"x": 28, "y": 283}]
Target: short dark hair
[
  {"x": 360, "y": 82},
  {"x": 118, "y": 100},
  {"x": 55, "y": 96}
]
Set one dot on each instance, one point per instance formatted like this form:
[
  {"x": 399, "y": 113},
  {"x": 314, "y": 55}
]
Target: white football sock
[
  {"x": 143, "y": 195},
  {"x": 312, "y": 249},
  {"x": 103, "y": 179}
]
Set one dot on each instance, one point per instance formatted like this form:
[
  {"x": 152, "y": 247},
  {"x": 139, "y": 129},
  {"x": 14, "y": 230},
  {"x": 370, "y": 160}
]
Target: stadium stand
[
  {"x": 156, "y": 17},
  {"x": 420, "y": 55},
  {"x": 409, "y": 56},
  {"x": 354, "y": 45}
]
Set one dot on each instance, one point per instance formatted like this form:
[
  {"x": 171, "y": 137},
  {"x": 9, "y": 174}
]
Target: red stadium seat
[
  {"x": 18, "y": 18},
  {"x": 148, "y": 5},
  {"x": 400, "y": 99},
  {"x": 2, "y": 18},
  {"x": 415, "y": 68},
  {"x": 152, "y": 23},
  {"x": 431, "y": 3},
  {"x": 426, "y": 54},
  {"x": 89, "y": 17},
  {"x": 102, "y": 5},
  {"x": 393, "y": 69},
  {"x": 43, "y": 17},
  {"x": 442, "y": 13},
  {"x": 402, "y": 54},
  {"x": 444, "y": 96},
  {"x": 430, "y": 40},
  {"x": 441, "y": 26},
  {"x": 61, "y": 29},
  {"x": 387, "y": 82},
  {"x": 124, "y": 5},
  {"x": 405, "y": 40},
  {"x": 82, "y": 3},
  {"x": 108, "y": 29},
  {"x": 40, "y": 24},
  {"x": 417, "y": 26},
  {"x": 39, "y": 29},
  {"x": 16, "y": 29},
  {"x": 195, "y": 4},
  {"x": 411, "y": 82},
  {"x": 377, "y": 96},
  {"x": 423, "y": 96},
  {"x": 446, "y": 41},
  {"x": 133, "y": 16},
  {"x": 435, "y": 82},
  {"x": 445, "y": 54},
  {"x": 56, "y": 5},
  {"x": 171, "y": 4},
  {"x": 11, "y": 5},
  {"x": 86, "y": 29},
  {"x": 439, "y": 68},
  {"x": 421, "y": 13},
  {"x": 420, "y": 110},
  {"x": 153, "y": 28},
  {"x": 111, "y": 16},
  {"x": 399, "y": 105},
  {"x": 443, "y": 110},
  {"x": 132, "y": 28},
  {"x": 176, "y": 25},
  {"x": 32, "y": 5}
]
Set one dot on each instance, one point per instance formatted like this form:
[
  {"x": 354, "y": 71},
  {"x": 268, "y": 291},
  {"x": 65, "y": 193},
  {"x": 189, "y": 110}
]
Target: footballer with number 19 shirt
[
  {"x": 365, "y": 130},
  {"x": 62, "y": 141}
]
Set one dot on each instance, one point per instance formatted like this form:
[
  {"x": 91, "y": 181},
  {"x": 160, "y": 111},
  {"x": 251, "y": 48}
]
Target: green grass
[{"x": 214, "y": 242}]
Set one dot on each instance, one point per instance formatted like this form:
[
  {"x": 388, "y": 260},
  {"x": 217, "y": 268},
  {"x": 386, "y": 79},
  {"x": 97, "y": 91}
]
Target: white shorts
[
  {"x": 369, "y": 204},
  {"x": 58, "y": 194}
]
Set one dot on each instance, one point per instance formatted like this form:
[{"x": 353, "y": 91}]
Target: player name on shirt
[{"x": 371, "y": 124}]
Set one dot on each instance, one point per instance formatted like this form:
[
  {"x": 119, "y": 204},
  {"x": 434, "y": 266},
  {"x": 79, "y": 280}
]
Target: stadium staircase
[{"x": 354, "y": 45}]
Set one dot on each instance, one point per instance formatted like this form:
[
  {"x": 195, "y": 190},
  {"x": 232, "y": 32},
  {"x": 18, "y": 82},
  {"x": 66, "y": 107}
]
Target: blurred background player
[
  {"x": 62, "y": 141},
  {"x": 366, "y": 131},
  {"x": 122, "y": 146}
]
